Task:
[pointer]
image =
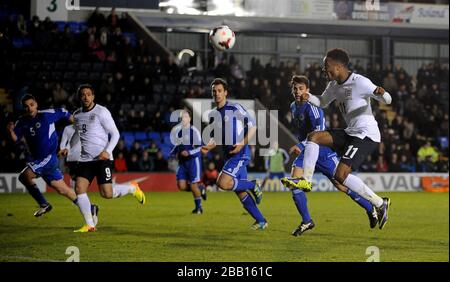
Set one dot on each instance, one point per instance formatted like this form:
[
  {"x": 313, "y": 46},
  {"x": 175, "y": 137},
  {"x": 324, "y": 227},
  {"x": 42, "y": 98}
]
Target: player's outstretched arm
[
  {"x": 321, "y": 101},
  {"x": 382, "y": 95}
]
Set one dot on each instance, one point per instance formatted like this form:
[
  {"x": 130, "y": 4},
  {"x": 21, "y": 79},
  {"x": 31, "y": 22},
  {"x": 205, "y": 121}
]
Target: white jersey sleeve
[
  {"x": 323, "y": 100},
  {"x": 367, "y": 89},
  {"x": 110, "y": 127},
  {"x": 71, "y": 141}
]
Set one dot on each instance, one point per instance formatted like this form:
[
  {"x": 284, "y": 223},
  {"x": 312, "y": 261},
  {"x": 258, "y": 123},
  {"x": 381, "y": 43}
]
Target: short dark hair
[
  {"x": 340, "y": 55},
  {"x": 85, "y": 86},
  {"x": 186, "y": 111},
  {"x": 300, "y": 79},
  {"x": 27, "y": 97},
  {"x": 222, "y": 81}
]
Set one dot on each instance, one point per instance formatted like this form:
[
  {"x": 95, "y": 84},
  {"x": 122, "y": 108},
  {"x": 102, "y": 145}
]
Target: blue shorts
[
  {"x": 326, "y": 163},
  {"x": 236, "y": 167},
  {"x": 190, "y": 170},
  {"x": 273, "y": 175},
  {"x": 47, "y": 168}
]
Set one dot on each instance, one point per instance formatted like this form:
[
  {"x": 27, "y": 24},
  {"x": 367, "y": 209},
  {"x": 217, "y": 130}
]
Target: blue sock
[
  {"x": 75, "y": 201},
  {"x": 37, "y": 195},
  {"x": 360, "y": 200},
  {"x": 301, "y": 204},
  {"x": 250, "y": 205},
  {"x": 198, "y": 203},
  {"x": 241, "y": 185}
]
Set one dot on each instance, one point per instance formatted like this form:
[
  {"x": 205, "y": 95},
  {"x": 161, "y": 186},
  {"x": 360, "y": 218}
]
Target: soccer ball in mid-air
[{"x": 222, "y": 38}]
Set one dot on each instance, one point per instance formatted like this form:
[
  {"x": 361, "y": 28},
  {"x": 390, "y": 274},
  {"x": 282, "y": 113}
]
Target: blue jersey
[
  {"x": 233, "y": 125},
  {"x": 40, "y": 132},
  {"x": 187, "y": 139},
  {"x": 307, "y": 118}
]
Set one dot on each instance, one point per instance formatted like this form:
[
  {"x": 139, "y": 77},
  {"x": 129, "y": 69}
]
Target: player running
[
  {"x": 70, "y": 148},
  {"x": 38, "y": 128},
  {"x": 233, "y": 128},
  {"x": 309, "y": 118},
  {"x": 98, "y": 136},
  {"x": 361, "y": 137},
  {"x": 188, "y": 143}
]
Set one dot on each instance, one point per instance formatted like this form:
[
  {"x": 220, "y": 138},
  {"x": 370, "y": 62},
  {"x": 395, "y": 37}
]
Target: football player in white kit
[
  {"x": 70, "y": 148},
  {"x": 98, "y": 136},
  {"x": 361, "y": 137}
]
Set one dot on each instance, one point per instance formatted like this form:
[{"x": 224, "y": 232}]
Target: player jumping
[
  {"x": 309, "y": 118},
  {"x": 361, "y": 137},
  {"x": 98, "y": 136},
  {"x": 187, "y": 150},
  {"x": 234, "y": 127}
]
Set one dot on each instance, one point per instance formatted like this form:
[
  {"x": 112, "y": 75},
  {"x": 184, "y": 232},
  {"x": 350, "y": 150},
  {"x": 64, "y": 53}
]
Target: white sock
[
  {"x": 120, "y": 190},
  {"x": 85, "y": 208},
  {"x": 358, "y": 186},
  {"x": 310, "y": 159}
]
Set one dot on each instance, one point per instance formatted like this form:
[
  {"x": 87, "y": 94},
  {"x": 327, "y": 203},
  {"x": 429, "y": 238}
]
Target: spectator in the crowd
[
  {"x": 145, "y": 162},
  {"x": 210, "y": 176},
  {"x": 382, "y": 165},
  {"x": 427, "y": 153},
  {"x": 113, "y": 19},
  {"x": 406, "y": 164},
  {"x": 427, "y": 165},
  {"x": 160, "y": 163},
  {"x": 390, "y": 83},
  {"x": 21, "y": 26},
  {"x": 120, "y": 148},
  {"x": 96, "y": 19},
  {"x": 120, "y": 164},
  {"x": 60, "y": 95},
  {"x": 368, "y": 165},
  {"x": 152, "y": 150},
  {"x": 136, "y": 149},
  {"x": 394, "y": 165},
  {"x": 133, "y": 163}
]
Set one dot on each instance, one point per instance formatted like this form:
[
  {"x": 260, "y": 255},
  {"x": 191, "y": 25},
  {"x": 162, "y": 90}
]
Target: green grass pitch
[{"x": 164, "y": 229}]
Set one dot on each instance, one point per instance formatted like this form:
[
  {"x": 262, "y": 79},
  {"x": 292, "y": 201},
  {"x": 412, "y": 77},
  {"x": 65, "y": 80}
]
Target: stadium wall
[{"x": 166, "y": 182}]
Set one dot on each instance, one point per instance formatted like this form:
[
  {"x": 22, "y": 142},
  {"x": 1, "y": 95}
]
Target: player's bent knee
[{"x": 182, "y": 187}]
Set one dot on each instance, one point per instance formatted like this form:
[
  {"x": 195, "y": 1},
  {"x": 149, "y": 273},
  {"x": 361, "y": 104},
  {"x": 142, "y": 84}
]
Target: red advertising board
[{"x": 149, "y": 182}]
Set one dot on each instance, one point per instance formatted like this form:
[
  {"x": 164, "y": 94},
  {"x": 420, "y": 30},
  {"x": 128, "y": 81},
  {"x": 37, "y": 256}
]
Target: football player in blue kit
[
  {"x": 309, "y": 118},
  {"x": 188, "y": 143},
  {"x": 38, "y": 129},
  {"x": 233, "y": 128}
]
